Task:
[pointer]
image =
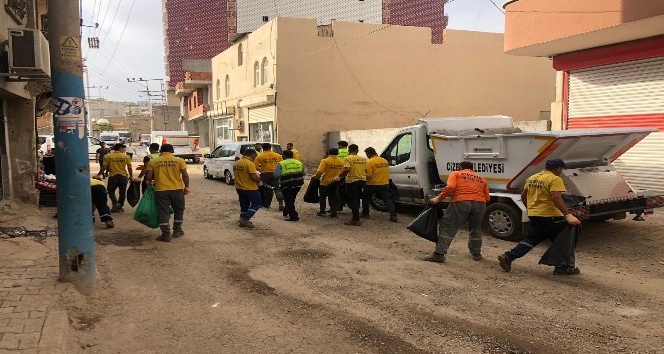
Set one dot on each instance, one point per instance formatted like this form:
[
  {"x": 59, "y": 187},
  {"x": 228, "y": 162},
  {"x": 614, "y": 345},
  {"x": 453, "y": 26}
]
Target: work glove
[
  {"x": 434, "y": 201},
  {"x": 572, "y": 220}
]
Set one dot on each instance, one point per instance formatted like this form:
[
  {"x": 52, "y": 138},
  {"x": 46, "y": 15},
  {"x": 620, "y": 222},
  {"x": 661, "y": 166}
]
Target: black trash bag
[
  {"x": 134, "y": 193},
  {"x": 562, "y": 249},
  {"x": 426, "y": 224},
  {"x": 267, "y": 193},
  {"x": 311, "y": 195}
]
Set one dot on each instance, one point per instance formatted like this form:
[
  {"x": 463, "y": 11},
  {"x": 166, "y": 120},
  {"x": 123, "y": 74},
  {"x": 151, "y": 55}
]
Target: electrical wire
[
  {"x": 497, "y": 7},
  {"x": 119, "y": 39},
  {"x": 103, "y": 20}
]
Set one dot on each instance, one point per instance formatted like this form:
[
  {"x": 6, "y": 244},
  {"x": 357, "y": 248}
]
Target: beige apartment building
[{"x": 294, "y": 81}]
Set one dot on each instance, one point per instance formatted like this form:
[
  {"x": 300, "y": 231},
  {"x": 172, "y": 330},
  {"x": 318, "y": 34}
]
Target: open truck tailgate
[{"x": 508, "y": 159}]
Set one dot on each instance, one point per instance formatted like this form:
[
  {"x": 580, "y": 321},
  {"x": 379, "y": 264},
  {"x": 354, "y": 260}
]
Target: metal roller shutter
[
  {"x": 642, "y": 164},
  {"x": 262, "y": 114},
  {"x": 629, "y": 94},
  {"x": 633, "y": 88}
]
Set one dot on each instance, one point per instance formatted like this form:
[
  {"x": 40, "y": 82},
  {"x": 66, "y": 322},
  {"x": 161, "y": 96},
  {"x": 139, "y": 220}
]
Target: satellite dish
[{"x": 103, "y": 121}]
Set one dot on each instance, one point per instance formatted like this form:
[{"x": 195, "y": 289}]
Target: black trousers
[
  {"x": 354, "y": 195},
  {"x": 329, "y": 192},
  {"x": 289, "y": 200},
  {"x": 100, "y": 201},
  {"x": 117, "y": 182},
  {"x": 541, "y": 228}
]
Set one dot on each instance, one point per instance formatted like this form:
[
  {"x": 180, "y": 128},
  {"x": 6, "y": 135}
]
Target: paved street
[{"x": 318, "y": 286}]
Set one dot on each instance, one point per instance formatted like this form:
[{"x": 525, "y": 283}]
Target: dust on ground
[{"x": 317, "y": 286}]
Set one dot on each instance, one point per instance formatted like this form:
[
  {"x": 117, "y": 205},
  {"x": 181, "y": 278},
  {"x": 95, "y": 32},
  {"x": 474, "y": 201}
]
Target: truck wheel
[
  {"x": 377, "y": 203},
  {"x": 228, "y": 178},
  {"x": 206, "y": 173},
  {"x": 503, "y": 221}
]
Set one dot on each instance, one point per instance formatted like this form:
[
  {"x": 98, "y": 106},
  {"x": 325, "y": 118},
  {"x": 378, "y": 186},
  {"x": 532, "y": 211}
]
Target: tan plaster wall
[
  {"x": 529, "y": 22},
  {"x": 389, "y": 77}
]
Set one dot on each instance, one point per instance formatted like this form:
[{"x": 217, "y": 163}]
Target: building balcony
[
  {"x": 182, "y": 89},
  {"x": 198, "y": 79},
  {"x": 549, "y": 28},
  {"x": 199, "y": 112}
]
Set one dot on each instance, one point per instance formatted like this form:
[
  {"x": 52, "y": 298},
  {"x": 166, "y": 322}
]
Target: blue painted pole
[{"x": 76, "y": 241}]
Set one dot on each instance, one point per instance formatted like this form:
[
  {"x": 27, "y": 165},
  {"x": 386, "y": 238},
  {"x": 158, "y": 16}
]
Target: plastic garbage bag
[
  {"x": 311, "y": 195},
  {"x": 561, "y": 253},
  {"x": 146, "y": 212},
  {"x": 134, "y": 193},
  {"x": 426, "y": 224}
]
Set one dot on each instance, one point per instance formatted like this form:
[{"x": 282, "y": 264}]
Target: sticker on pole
[
  {"x": 69, "y": 113},
  {"x": 70, "y": 48}
]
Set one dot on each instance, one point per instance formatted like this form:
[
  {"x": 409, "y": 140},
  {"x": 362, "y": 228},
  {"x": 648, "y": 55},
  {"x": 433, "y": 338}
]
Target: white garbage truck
[{"x": 421, "y": 157}]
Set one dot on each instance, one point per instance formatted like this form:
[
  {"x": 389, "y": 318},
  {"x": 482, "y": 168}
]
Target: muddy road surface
[{"x": 317, "y": 286}]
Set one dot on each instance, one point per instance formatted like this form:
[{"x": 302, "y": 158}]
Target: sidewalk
[{"x": 29, "y": 286}]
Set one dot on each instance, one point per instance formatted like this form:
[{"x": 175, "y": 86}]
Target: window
[
  {"x": 261, "y": 132},
  {"x": 218, "y": 89},
  {"x": 228, "y": 85},
  {"x": 399, "y": 150},
  {"x": 240, "y": 58},
  {"x": 257, "y": 74},
  {"x": 228, "y": 151},
  {"x": 264, "y": 77},
  {"x": 216, "y": 152},
  {"x": 223, "y": 131}
]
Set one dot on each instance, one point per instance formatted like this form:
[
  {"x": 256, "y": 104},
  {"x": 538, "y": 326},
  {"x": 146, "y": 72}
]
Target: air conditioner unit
[{"x": 29, "y": 53}]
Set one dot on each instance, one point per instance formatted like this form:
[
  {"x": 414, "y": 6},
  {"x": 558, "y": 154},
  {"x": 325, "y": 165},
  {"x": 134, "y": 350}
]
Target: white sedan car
[{"x": 219, "y": 163}]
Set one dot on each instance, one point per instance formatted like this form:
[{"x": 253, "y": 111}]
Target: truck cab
[{"x": 412, "y": 165}]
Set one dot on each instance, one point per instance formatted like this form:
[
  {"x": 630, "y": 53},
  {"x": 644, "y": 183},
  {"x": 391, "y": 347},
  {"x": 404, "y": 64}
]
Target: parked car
[{"x": 219, "y": 163}]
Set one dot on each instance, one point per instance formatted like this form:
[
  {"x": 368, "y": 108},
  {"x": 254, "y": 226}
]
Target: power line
[
  {"x": 497, "y": 7},
  {"x": 103, "y": 20},
  {"x": 115, "y": 15},
  {"x": 119, "y": 39}
]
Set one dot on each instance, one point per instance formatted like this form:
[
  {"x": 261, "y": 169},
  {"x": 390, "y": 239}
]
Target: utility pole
[{"x": 76, "y": 241}]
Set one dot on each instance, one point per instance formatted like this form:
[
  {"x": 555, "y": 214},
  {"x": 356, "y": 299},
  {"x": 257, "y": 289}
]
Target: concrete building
[
  {"x": 610, "y": 56},
  {"x": 293, "y": 81},
  {"x": 193, "y": 29},
  {"x": 201, "y": 29},
  {"x": 17, "y": 126}
]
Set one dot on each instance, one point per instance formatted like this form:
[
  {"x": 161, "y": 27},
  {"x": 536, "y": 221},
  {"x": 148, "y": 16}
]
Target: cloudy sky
[{"x": 131, "y": 36}]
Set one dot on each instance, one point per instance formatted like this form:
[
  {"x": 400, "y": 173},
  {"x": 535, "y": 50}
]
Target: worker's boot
[
  {"x": 177, "y": 229},
  {"x": 435, "y": 257},
  {"x": 505, "y": 262},
  {"x": 394, "y": 218},
  {"x": 165, "y": 234},
  {"x": 246, "y": 223},
  {"x": 109, "y": 224}
]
